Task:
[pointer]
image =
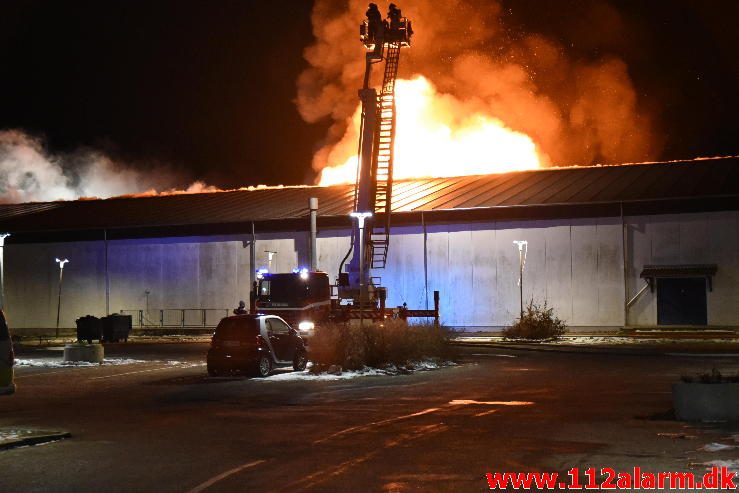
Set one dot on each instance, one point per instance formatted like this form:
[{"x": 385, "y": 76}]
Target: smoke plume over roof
[{"x": 29, "y": 173}]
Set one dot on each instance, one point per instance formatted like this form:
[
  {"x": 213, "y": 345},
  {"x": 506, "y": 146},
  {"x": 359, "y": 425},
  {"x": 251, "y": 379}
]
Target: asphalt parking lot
[{"x": 154, "y": 421}]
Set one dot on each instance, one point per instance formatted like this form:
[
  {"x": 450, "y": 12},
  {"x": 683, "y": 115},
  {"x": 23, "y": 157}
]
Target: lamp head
[
  {"x": 521, "y": 244},
  {"x": 360, "y": 217}
]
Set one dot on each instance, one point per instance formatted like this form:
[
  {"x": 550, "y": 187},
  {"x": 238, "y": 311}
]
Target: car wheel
[
  {"x": 300, "y": 361},
  {"x": 264, "y": 366}
]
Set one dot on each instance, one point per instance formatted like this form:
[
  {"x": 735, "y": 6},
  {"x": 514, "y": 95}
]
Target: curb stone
[{"x": 14, "y": 437}]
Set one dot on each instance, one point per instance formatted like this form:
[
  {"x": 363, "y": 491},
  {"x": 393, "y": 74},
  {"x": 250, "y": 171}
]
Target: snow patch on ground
[
  {"x": 172, "y": 339},
  {"x": 730, "y": 464},
  {"x": 55, "y": 363},
  {"x": 8, "y": 435},
  {"x": 585, "y": 340},
  {"x": 600, "y": 340},
  {"x": 716, "y": 447},
  {"x": 321, "y": 377},
  {"x": 307, "y": 375},
  {"x": 184, "y": 364}
]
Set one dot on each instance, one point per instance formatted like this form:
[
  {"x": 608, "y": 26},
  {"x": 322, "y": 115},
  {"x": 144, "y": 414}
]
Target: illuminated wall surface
[{"x": 574, "y": 264}]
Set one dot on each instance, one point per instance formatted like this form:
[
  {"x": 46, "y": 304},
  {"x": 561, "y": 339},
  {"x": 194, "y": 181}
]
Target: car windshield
[{"x": 237, "y": 328}]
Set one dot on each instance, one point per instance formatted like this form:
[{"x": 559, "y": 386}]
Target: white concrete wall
[
  {"x": 575, "y": 265},
  {"x": 32, "y": 282},
  {"x": 192, "y": 272}
]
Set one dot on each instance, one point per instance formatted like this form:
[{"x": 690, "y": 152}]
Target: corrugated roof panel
[
  {"x": 412, "y": 189},
  {"x": 613, "y": 182},
  {"x": 564, "y": 190},
  {"x": 642, "y": 188},
  {"x": 528, "y": 180},
  {"x": 464, "y": 191},
  {"x": 664, "y": 184},
  {"x": 535, "y": 193},
  {"x": 497, "y": 185},
  {"x": 416, "y": 197},
  {"x": 723, "y": 178},
  {"x": 444, "y": 189}
]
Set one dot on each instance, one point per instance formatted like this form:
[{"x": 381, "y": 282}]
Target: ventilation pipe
[{"x": 313, "y": 206}]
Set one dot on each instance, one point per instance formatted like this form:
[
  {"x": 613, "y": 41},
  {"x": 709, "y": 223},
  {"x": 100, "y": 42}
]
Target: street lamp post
[
  {"x": 360, "y": 217},
  {"x": 523, "y": 247},
  {"x": 59, "y": 298},
  {"x": 270, "y": 256}
]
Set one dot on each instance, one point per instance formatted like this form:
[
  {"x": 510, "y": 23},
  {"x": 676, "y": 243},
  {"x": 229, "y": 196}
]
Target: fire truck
[{"x": 306, "y": 297}]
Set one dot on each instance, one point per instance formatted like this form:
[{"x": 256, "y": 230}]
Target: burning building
[{"x": 638, "y": 245}]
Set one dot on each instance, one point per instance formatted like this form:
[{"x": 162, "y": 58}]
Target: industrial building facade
[{"x": 642, "y": 245}]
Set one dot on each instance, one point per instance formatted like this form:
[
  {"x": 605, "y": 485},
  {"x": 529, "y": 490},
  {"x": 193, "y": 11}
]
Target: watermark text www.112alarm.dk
[{"x": 606, "y": 478}]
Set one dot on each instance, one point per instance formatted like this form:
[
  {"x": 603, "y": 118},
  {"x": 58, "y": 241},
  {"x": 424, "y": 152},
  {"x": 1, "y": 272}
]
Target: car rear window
[{"x": 237, "y": 328}]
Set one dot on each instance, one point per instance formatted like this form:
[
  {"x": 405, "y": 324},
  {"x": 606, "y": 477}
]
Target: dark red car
[{"x": 255, "y": 344}]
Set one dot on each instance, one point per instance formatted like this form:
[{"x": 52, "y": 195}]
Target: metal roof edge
[{"x": 407, "y": 218}]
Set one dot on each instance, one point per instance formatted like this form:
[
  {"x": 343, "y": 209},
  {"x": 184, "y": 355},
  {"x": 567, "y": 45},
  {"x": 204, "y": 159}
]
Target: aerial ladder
[
  {"x": 383, "y": 39},
  {"x": 356, "y": 294}
]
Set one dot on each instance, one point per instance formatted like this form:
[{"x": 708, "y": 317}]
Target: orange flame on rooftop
[{"x": 438, "y": 135}]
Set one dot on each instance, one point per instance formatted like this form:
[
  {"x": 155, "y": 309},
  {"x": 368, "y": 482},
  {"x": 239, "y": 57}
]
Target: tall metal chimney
[{"x": 313, "y": 205}]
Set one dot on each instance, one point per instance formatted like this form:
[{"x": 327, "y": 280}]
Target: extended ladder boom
[
  {"x": 384, "y": 146},
  {"x": 374, "y": 187}
]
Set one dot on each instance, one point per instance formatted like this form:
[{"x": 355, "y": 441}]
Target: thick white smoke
[{"x": 29, "y": 173}]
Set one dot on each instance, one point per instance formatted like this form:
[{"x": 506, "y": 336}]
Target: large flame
[{"x": 437, "y": 135}]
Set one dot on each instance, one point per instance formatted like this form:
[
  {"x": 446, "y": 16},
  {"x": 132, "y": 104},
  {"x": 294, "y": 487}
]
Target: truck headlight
[{"x": 306, "y": 326}]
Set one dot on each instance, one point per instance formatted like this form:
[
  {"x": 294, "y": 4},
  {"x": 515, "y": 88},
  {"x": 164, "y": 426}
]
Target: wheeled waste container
[
  {"x": 89, "y": 328},
  {"x": 117, "y": 327}
]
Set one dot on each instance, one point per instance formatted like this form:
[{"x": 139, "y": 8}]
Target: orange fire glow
[{"x": 437, "y": 135}]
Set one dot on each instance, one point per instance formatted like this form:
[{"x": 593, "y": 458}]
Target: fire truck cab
[{"x": 301, "y": 298}]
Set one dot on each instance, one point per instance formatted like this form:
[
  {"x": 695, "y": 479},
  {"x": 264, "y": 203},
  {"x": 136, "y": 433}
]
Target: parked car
[
  {"x": 7, "y": 358},
  {"x": 255, "y": 344}
]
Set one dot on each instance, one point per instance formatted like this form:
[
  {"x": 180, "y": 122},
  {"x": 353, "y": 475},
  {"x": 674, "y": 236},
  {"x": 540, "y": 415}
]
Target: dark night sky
[{"x": 208, "y": 87}]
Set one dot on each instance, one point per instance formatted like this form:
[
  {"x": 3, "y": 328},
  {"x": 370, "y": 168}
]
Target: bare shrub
[
  {"x": 378, "y": 344},
  {"x": 327, "y": 346},
  {"x": 714, "y": 376},
  {"x": 538, "y": 324}
]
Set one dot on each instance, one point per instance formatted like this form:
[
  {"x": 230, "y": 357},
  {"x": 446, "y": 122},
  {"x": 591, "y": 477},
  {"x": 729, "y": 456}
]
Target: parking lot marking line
[
  {"x": 705, "y": 355},
  {"x": 132, "y": 372},
  {"x": 485, "y": 413},
  {"x": 371, "y": 387},
  {"x": 37, "y": 374},
  {"x": 207, "y": 484},
  {"x": 467, "y": 402},
  {"x": 323, "y": 475},
  {"x": 377, "y": 423},
  {"x": 60, "y": 370}
]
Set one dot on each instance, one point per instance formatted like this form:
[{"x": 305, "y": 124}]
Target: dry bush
[
  {"x": 327, "y": 346},
  {"x": 714, "y": 376},
  {"x": 538, "y": 324},
  {"x": 392, "y": 342}
]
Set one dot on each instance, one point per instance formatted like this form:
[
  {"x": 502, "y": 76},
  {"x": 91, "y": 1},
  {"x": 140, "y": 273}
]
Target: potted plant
[{"x": 707, "y": 397}]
